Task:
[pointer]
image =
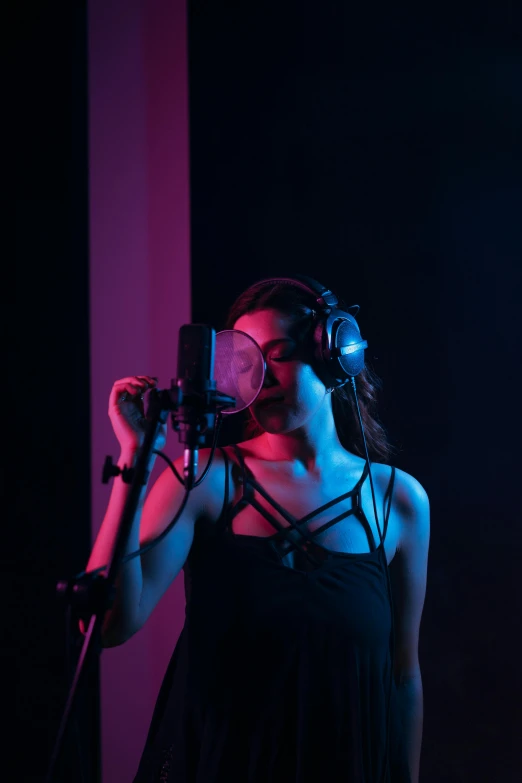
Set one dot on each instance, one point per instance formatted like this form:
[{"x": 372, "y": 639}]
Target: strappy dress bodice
[
  {"x": 282, "y": 671},
  {"x": 294, "y": 536}
]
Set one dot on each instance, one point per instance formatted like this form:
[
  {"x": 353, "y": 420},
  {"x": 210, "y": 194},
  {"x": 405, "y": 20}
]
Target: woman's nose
[{"x": 269, "y": 379}]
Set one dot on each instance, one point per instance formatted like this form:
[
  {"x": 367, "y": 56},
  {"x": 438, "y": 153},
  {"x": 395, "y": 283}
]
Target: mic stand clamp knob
[{"x": 110, "y": 470}]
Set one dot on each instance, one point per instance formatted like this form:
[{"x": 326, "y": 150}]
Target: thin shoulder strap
[
  {"x": 241, "y": 462},
  {"x": 228, "y": 514},
  {"x": 387, "y": 500}
]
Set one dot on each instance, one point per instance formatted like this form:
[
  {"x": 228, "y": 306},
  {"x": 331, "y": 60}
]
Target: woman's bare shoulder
[
  {"x": 409, "y": 498},
  {"x": 410, "y": 494},
  {"x": 411, "y": 505},
  {"x": 407, "y": 490}
]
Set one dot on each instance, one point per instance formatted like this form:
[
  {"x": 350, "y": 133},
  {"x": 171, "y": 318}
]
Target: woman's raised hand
[{"x": 127, "y": 412}]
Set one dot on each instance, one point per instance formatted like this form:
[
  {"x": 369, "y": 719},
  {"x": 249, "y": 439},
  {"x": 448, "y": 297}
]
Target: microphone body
[{"x": 195, "y": 415}]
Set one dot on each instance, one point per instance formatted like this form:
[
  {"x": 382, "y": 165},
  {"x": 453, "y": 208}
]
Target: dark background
[
  {"x": 379, "y": 150},
  {"x": 47, "y": 460}
]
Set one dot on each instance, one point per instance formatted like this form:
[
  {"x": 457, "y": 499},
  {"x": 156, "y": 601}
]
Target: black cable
[
  {"x": 150, "y": 544},
  {"x": 145, "y": 548},
  {"x": 209, "y": 461},
  {"x": 217, "y": 429},
  {"x": 388, "y": 584}
]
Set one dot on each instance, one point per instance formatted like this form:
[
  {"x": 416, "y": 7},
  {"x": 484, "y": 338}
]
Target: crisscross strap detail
[
  {"x": 293, "y": 535},
  {"x": 248, "y": 498}
]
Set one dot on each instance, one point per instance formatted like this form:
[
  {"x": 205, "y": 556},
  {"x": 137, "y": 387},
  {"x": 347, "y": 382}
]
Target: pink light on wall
[{"x": 139, "y": 289}]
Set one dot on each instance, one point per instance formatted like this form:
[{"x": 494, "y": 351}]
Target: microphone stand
[{"x": 94, "y": 594}]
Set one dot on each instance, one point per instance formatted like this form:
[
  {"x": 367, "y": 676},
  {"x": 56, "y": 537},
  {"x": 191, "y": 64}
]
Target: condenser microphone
[{"x": 195, "y": 415}]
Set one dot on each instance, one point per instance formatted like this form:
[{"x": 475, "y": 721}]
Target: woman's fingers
[
  {"x": 131, "y": 389},
  {"x": 127, "y": 409}
]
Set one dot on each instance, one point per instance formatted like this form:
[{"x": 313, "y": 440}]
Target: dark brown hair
[{"x": 297, "y": 303}]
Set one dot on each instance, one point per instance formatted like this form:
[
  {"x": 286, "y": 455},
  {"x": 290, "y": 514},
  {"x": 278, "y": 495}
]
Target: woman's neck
[{"x": 311, "y": 448}]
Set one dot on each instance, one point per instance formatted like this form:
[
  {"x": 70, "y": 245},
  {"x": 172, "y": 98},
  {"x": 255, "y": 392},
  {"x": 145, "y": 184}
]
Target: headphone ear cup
[
  {"x": 343, "y": 347},
  {"x": 347, "y": 334}
]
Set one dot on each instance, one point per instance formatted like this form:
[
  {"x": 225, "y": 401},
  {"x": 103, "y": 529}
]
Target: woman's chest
[{"x": 254, "y": 591}]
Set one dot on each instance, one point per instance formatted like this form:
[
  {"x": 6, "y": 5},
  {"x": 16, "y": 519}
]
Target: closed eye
[
  {"x": 284, "y": 353},
  {"x": 285, "y": 358}
]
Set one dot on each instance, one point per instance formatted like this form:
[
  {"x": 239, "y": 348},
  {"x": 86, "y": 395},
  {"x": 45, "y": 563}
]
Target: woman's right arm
[{"x": 142, "y": 581}]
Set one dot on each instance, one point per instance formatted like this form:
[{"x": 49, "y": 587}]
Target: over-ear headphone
[{"x": 340, "y": 345}]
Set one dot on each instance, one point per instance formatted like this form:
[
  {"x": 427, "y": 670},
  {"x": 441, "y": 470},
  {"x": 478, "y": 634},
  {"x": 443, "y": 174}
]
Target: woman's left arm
[{"x": 408, "y": 571}]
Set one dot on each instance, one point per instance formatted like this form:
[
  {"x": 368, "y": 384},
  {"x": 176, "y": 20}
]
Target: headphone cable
[{"x": 388, "y": 584}]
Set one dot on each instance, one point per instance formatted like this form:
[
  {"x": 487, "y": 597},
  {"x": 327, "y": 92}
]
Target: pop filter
[{"x": 239, "y": 368}]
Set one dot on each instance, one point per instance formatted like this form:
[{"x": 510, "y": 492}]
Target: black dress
[{"x": 281, "y": 674}]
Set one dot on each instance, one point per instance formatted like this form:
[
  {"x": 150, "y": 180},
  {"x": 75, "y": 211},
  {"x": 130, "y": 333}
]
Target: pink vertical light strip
[{"x": 139, "y": 289}]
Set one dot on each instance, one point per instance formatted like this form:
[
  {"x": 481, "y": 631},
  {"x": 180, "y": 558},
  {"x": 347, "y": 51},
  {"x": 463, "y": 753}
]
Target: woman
[{"x": 292, "y": 664}]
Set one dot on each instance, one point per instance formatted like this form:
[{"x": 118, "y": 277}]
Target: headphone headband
[
  {"x": 340, "y": 345},
  {"x": 324, "y": 297}
]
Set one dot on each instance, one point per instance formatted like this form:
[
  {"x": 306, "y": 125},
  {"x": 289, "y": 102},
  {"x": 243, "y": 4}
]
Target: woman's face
[{"x": 292, "y": 392}]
